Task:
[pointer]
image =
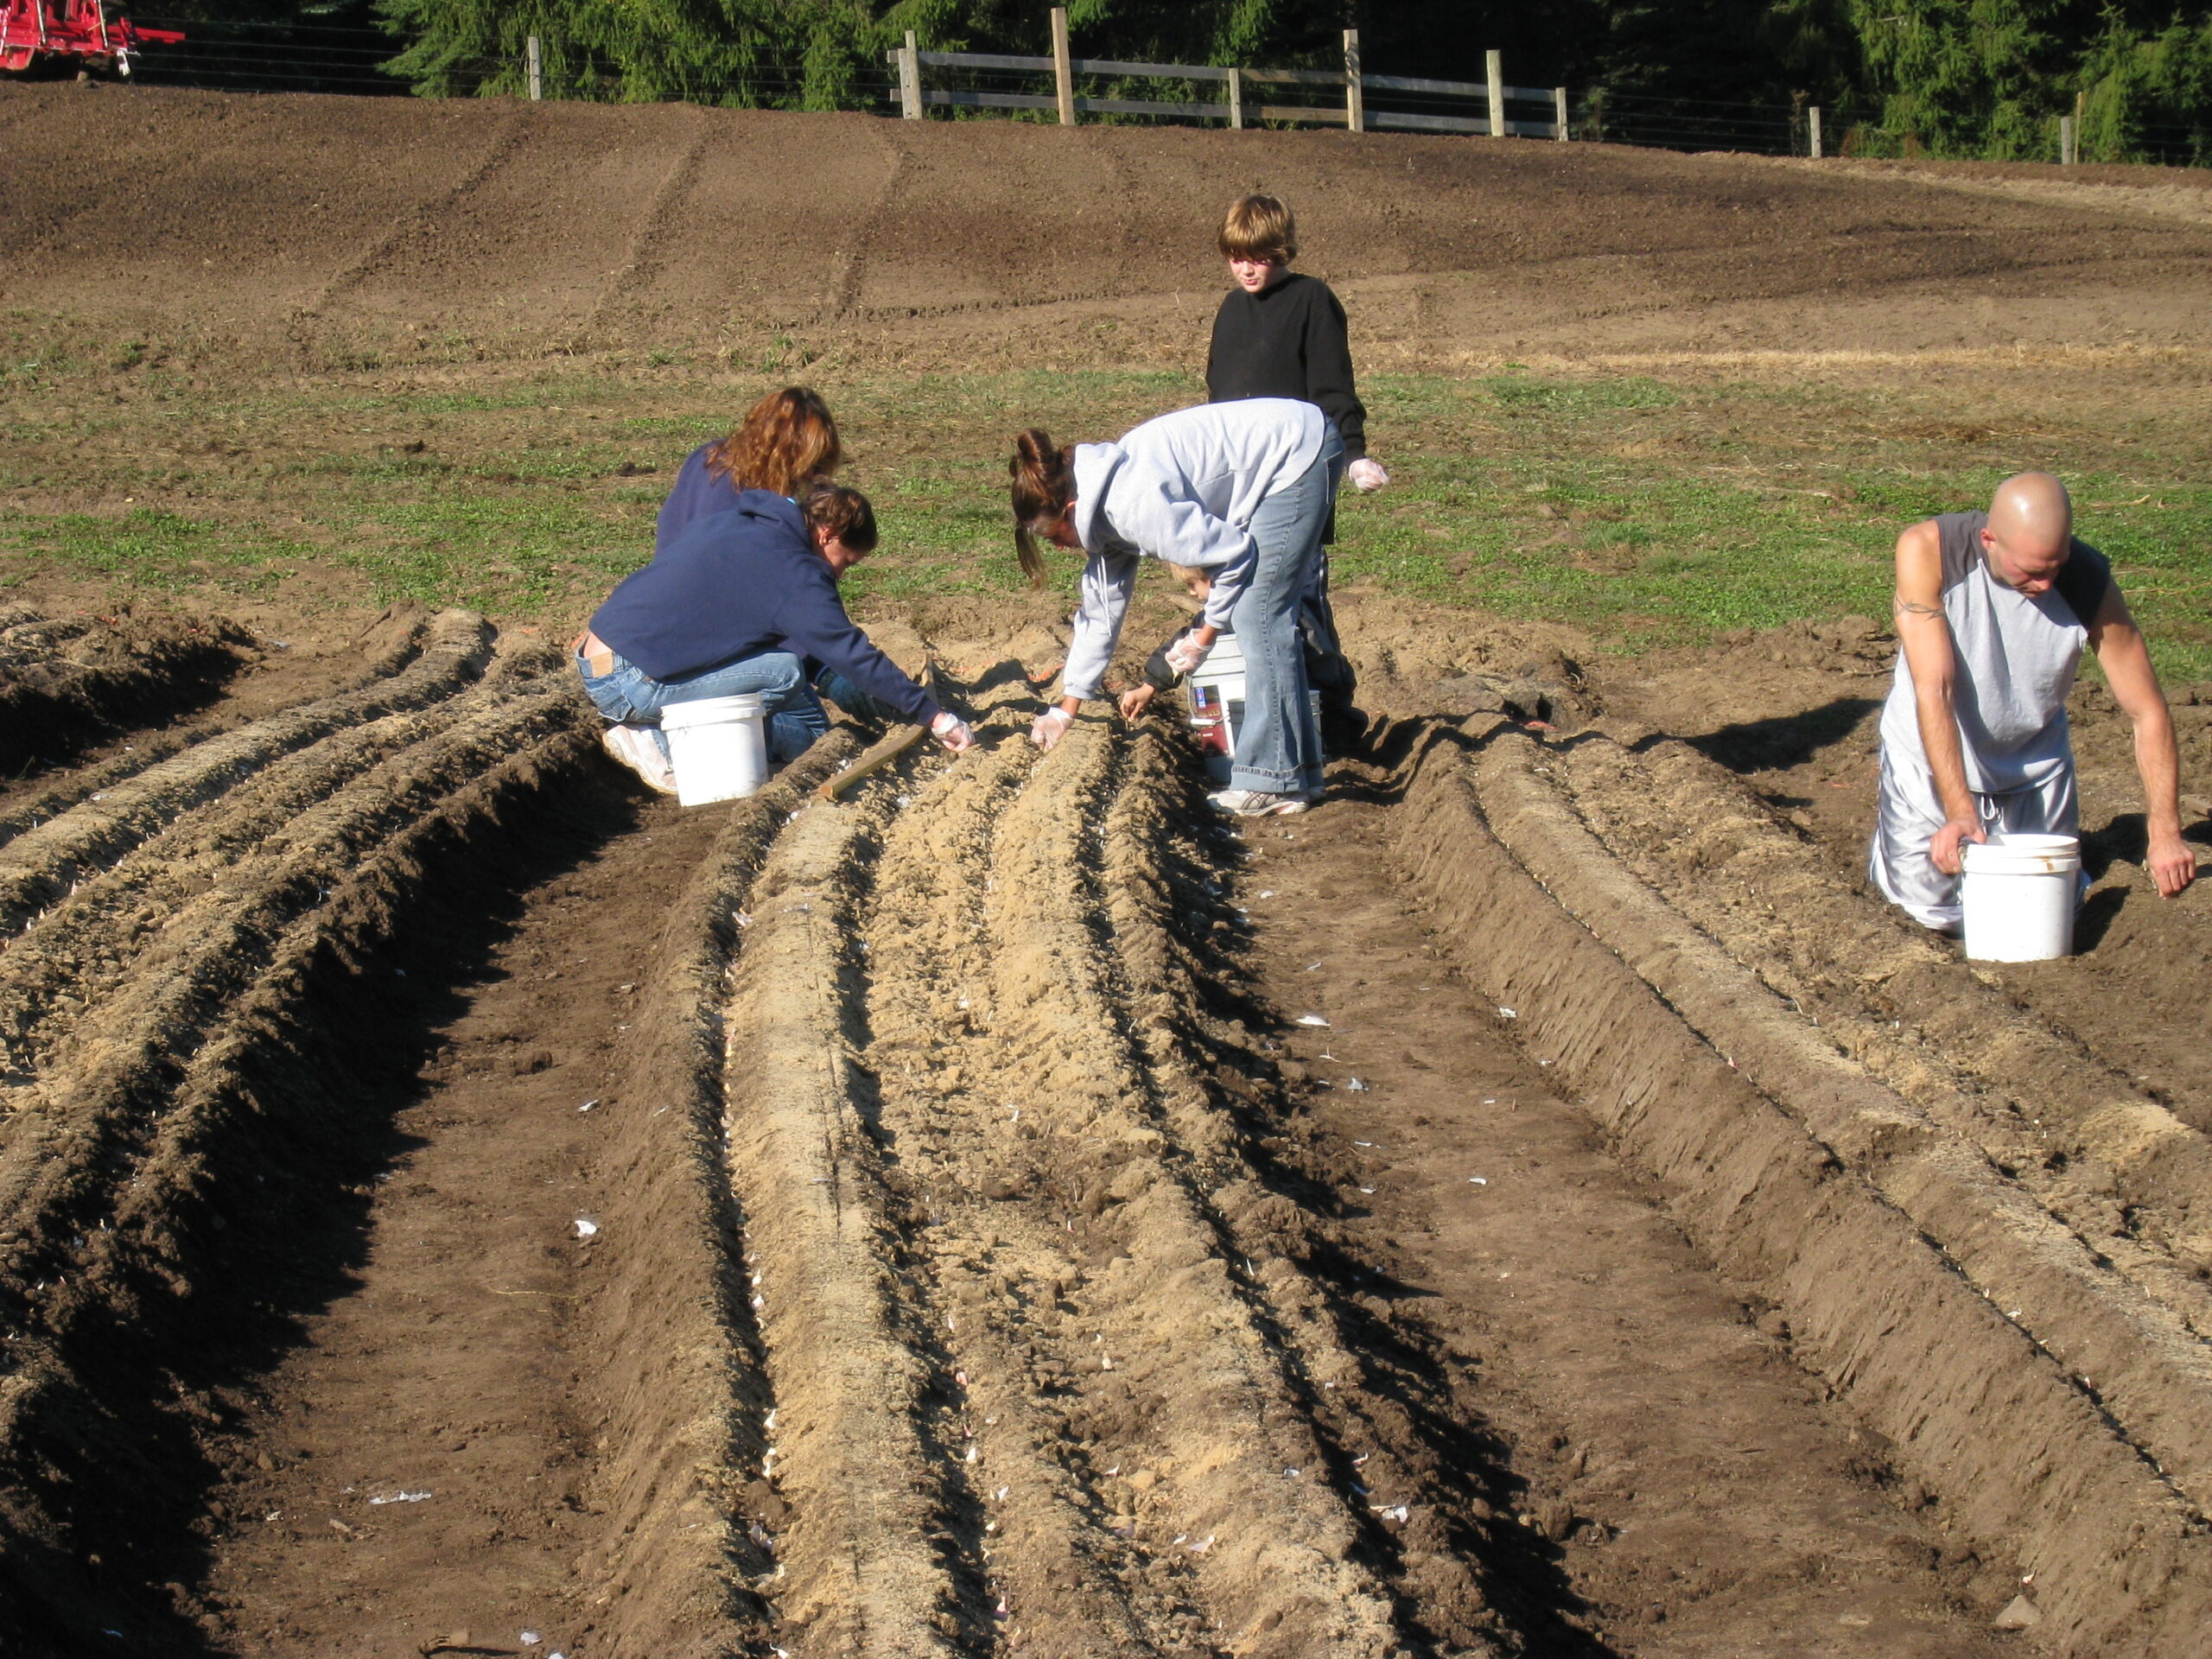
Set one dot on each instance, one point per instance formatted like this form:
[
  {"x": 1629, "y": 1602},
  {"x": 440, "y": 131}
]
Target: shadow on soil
[
  {"x": 126, "y": 1456},
  {"x": 1416, "y": 1394},
  {"x": 1784, "y": 741}
]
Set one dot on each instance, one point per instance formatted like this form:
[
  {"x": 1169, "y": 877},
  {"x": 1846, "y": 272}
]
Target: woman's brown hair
[
  {"x": 786, "y": 439},
  {"x": 1044, "y": 484},
  {"x": 842, "y": 511}
]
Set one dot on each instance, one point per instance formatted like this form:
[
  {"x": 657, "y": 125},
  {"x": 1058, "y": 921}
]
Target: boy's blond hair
[
  {"x": 1187, "y": 574},
  {"x": 1259, "y": 228}
]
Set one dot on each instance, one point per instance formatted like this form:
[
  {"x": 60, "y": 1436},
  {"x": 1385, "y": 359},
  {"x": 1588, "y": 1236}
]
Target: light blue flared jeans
[{"x": 1278, "y": 750}]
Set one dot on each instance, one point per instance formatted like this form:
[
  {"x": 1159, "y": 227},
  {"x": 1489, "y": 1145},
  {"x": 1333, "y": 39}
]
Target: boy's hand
[
  {"x": 1367, "y": 474},
  {"x": 1137, "y": 699}
]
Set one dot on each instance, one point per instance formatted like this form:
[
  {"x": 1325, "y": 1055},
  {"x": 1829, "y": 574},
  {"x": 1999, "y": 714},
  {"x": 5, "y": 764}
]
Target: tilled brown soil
[
  {"x": 449, "y": 1197},
  {"x": 219, "y": 230}
]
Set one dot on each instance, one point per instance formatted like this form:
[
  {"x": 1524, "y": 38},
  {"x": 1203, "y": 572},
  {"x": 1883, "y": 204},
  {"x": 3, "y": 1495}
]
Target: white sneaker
[
  {"x": 1257, "y": 803},
  {"x": 640, "y": 750}
]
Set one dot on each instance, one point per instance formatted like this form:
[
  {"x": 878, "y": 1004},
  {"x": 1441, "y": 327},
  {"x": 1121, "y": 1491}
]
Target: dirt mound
[
  {"x": 419, "y": 230},
  {"x": 1959, "y": 1223},
  {"x": 66, "y": 680}
]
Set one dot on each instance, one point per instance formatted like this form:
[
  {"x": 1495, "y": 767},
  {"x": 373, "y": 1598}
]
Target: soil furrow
[
  {"x": 871, "y": 1558},
  {"x": 679, "y": 1403},
  {"x": 2130, "y": 1355},
  {"x": 2015, "y": 1451},
  {"x": 119, "y": 1391},
  {"x": 401, "y": 635},
  {"x": 1375, "y": 1387},
  {"x": 77, "y": 949},
  {"x": 2117, "y": 1168},
  {"x": 79, "y": 1123},
  {"x": 63, "y": 681},
  {"x": 1059, "y": 1558},
  {"x": 1237, "y": 1478},
  {"x": 41, "y": 864}
]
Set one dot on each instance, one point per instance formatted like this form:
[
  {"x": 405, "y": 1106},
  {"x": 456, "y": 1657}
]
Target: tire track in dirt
[
  {"x": 1978, "y": 1410},
  {"x": 845, "y": 287},
  {"x": 422, "y": 220},
  {"x": 643, "y": 258}
]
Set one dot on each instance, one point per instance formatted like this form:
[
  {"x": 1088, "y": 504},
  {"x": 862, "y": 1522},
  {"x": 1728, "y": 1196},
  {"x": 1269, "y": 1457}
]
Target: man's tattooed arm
[{"x": 1904, "y": 606}]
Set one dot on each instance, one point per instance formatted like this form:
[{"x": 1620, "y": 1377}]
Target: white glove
[
  {"x": 953, "y": 732},
  {"x": 1049, "y": 728},
  {"x": 1186, "y": 653},
  {"x": 1366, "y": 474}
]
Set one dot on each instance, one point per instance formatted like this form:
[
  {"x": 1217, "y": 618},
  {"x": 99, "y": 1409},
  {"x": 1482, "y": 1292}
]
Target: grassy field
[{"x": 1645, "y": 511}]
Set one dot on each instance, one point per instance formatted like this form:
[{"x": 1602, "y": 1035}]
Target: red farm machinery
[{"x": 50, "y": 36}]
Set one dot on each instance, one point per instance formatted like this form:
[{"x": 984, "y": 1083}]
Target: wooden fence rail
[{"x": 1493, "y": 94}]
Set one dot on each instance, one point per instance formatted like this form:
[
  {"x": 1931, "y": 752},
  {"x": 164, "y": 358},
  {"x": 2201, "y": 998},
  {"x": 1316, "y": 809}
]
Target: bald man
[{"x": 1992, "y": 611}]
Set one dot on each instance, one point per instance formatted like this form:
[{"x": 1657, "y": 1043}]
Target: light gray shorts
[{"x": 1911, "y": 812}]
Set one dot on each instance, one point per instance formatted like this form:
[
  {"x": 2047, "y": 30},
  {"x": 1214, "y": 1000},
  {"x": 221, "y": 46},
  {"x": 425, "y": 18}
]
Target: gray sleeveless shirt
[{"x": 2016, "y": 659}]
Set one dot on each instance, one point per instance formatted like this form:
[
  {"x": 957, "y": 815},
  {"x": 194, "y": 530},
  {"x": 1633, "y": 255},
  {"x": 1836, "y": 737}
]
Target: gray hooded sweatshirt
[{"x": 1182, "y": 488}]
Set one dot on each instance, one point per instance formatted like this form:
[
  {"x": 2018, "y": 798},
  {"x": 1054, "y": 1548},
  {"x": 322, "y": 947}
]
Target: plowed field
[
  {"x": 1538, "y": 1203},
  {"x": 442, "y": 1195}
]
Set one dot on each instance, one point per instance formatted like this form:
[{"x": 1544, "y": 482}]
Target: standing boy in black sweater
[{"x": 1278, "y": 334}]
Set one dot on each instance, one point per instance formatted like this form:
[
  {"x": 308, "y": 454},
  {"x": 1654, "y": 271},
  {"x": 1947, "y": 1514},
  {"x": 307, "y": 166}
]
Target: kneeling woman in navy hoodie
[{"x": 739, "y": 601}]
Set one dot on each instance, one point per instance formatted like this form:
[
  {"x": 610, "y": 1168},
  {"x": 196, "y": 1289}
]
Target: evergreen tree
[{"x": 1981, "y": 77}]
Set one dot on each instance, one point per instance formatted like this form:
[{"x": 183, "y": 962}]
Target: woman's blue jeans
[
  {"x": 627, "y": 694},
  {"x": 1278, "y": 749}
]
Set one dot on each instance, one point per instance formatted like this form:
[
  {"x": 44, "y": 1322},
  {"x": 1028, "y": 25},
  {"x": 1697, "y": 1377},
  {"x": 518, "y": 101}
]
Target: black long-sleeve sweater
[{"x": 1288, "y": 340}]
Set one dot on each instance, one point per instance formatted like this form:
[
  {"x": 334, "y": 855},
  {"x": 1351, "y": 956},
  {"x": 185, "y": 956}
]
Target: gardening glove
[
  {"x": 1186, "y": 653},
  {"x": 953, "y": 732},
  {"x": 1049, "y": 728},
  {"x": 1367, "y": 474}
]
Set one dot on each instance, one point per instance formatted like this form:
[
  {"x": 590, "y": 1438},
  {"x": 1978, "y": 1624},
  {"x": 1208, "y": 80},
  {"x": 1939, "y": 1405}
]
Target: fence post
[
  {"x": 2066, "y": 141},
  {"x": 1062, "y": 67},
  {"x": 1494, "y": 64},
  {"x": 910, "y": 78},
  {"x": 1558, "y": 112},
  {"x": 1355, "y": 94},
  {"x": 1236, "y": 100},
  {"x": 534, "y": 61},
  {"x": 1813, "y": 130}
]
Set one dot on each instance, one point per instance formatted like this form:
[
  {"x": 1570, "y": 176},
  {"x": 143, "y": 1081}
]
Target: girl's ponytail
[{"x": 1042, "y": 486}]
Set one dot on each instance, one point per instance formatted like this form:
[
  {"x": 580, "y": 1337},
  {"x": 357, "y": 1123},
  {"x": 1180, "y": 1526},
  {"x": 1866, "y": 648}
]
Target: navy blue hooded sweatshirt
[
  {"x": 697, "y": 491},
  {"x": 734, "y": 584}
]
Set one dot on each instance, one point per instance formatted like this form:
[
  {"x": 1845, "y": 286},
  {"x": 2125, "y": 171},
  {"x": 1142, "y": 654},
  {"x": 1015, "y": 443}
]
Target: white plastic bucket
[
  {"x": 2019, "y": 893},
  {"x": 1216, "y": 694},
  {"x": 719, "y": 745}
]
